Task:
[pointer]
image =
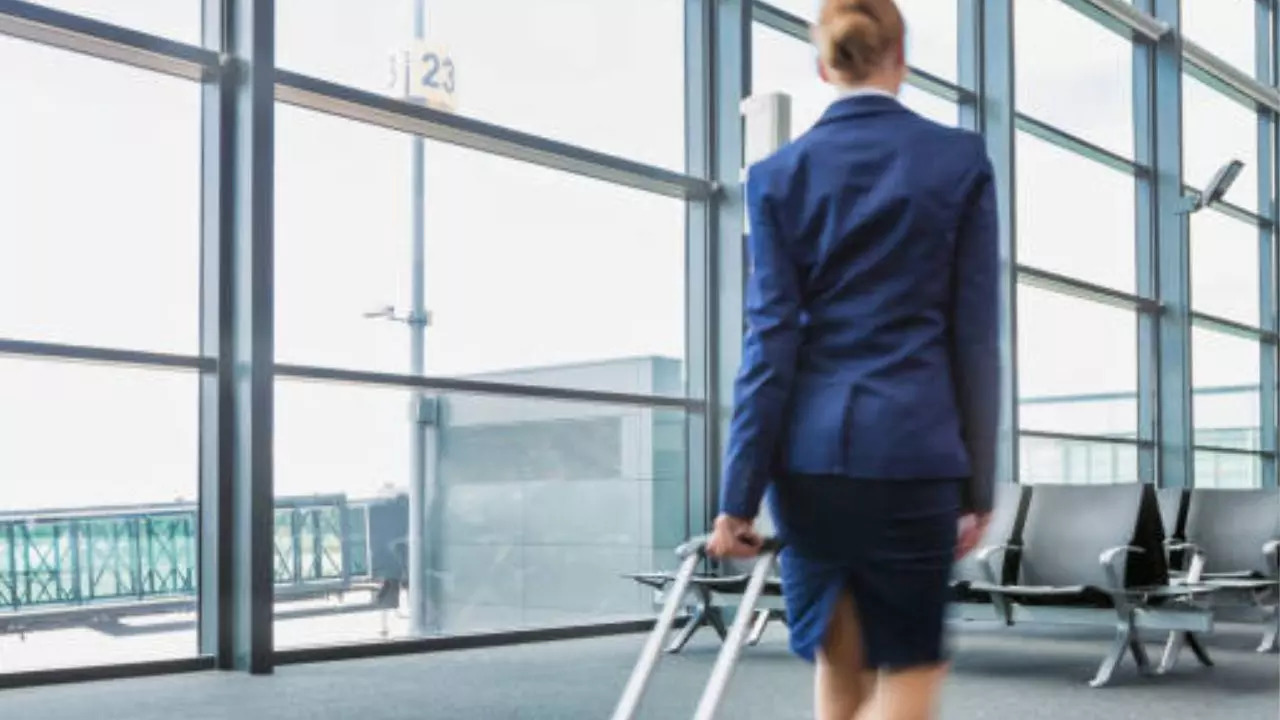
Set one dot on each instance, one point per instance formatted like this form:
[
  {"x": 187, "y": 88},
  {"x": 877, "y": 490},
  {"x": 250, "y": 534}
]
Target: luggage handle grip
[{"x": 698, "y": 546}]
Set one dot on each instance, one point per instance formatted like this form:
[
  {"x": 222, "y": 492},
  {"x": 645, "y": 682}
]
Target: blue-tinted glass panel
[
  {"x": 604, "y": 75},
  {"x": 516, "y": 533},
  {"x": 1225, "y": 278},
  {"x": 1077, "y": 365},
  {"x": 1217, "y": 129},
  {"x": 1088, "y": 94},
  {"x": 1227, "y": 28},
  {"x": 1226, "y": 371},
  {"x": 174, "y": 19},
  {"x": 1075, "y": 215}
]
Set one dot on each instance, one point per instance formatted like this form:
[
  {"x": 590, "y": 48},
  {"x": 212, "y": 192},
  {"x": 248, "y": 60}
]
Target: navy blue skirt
[{"x": 890, "y": 543}]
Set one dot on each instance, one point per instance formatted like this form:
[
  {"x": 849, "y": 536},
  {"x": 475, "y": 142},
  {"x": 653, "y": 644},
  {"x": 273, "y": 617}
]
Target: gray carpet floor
[{"x": 998, "y": 674}]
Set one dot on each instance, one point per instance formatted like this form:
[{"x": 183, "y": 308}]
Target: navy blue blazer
[{"x": 872, "y": 307}]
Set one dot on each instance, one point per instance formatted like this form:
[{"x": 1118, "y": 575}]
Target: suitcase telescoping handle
[{"x": 691, "y": 555}]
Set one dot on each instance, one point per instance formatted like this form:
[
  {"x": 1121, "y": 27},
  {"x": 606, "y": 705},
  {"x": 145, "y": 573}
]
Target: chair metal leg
[
  {"x": 715, "y": 618},
  {"x": 1271, "y": 638},
  {"x": 1193, "y": 642},
  {"x": 757, "y": 630},
  {"x": 1119, "y": 647},
  {"x": 1139, "y": 652},
  {"x": 686, "y": 633},
  {"x": 1172, "y": 649}
]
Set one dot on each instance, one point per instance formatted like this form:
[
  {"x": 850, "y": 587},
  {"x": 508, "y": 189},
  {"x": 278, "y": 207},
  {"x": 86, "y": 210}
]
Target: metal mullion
[
  {"x": 1085, "y": 438},
  {"x": 1233, "y": 211},
  {"x": 1268, "y": 72},
  {"x": 1076, "y": 144},
  {"x": 94, "y": 38},
  {"x": 1223, "y": 72},
  {"x": 351, "y": 103},
  {"x": 237, "y": 328},
  {"x": 1231, "y": 327},
  {"x": 105, "y": 356},
  {"x": 986, "y": 54},
  {"x": 1127, "y": 19},
  {"x": 484, "y": 387},
  {"x": 1145, "y": 255},
  {"x": 1239, "y": 452},
  {"x": 1066, "y": 285},
  {"x": 1172, "y": 257},
  {"x": 700, "y": 279}
]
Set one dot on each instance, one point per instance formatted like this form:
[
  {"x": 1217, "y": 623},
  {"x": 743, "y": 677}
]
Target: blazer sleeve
[
  {"x": 975, "y": 339},
  {"x": 762, "y": 389}
]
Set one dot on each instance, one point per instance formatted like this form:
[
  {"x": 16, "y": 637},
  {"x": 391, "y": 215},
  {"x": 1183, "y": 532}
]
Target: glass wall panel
[
  {"x": 1227, "y": 28},
  {"x": 1225, "y": 275},
  {"x": 175, "y": 19},
  {"x": 99, "y": 202},
  {"x": 530, "y": 272},
  {"x": 1217, "y": 129},
  {"x": 1077, "y": 365},
  {"x": 932, "y": 34},
  {"x": 1226, "y": 371},
  {"x": 1088, "y": 94},
  {"x": 1070, "y": 462},
  {"x": 781, "y": 63},
  {"x": 540, "y": 506},
  {"x": 1075, "y": 215},
  {"x": 99, "y": 479},
  {"x": 1228, "y": 470},
  {"x": 605, "y": 75}
]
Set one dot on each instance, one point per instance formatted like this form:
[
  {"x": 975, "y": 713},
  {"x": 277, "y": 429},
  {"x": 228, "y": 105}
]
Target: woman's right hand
[{"x": 970, "y": 532}]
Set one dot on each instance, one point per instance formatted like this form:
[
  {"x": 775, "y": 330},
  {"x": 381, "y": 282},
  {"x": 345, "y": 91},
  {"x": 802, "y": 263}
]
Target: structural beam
[
  {"x": 44, "y": 25},
  {"x": 237, "y": 513},
  {"x": 1267, "y": 21},
  {"x": 986, "y": 63},
  {"x": 1172, "y": 260}
]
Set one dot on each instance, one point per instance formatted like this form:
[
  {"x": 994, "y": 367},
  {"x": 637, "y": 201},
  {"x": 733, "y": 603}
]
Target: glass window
[
  {"x": 175, "y": 19},
  {"x": 1225, "y": 276},
  {"x": 1088, "y": 94},
  {"x": 1227, "y": 471},
  {"x": 526, "y": 268},
  {"x": 932, "y": 31},
  {"x": 518, "y": 538},
  {"x": 781, "y": 63},
  {"x": 99, "y": 218},
  {"x": 1069, "y": 462},
  {"x": 1077, "y": 365},
  {"x": 605, "y": 75},
  {"x": 1075, "y": 215},
  {"x": 1226, "y": 371},
  {"x": 1216, "y": 130},
  {"x": 1227, "y": 28},
  {"x": 99, "y": 467}
]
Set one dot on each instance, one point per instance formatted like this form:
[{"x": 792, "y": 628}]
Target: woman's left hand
[{"x": 734, "y": 538}]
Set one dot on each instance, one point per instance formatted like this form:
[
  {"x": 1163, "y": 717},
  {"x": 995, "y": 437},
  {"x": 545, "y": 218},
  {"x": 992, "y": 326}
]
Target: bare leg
[
  {"x": 906, "y": 694},
  {"x": 842, "y": 686}
]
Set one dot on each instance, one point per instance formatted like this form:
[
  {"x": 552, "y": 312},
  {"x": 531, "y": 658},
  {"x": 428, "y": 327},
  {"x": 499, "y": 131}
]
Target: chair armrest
[
  {"x": 1108, "y": 560},
  {"x": 1173, "y": 545},
  {"x": 986, "y": 555},
  {"x": 1271, "y": 551}
]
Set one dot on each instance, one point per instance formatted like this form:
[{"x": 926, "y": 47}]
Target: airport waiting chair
[
  {"x": 1094, "y": 555},
  {"x": 1230, "y": 540},
  {"x": 990, "y": 564}
]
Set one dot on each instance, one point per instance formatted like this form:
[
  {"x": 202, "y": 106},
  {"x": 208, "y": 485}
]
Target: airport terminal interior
[{"x": 372, "y": 358}]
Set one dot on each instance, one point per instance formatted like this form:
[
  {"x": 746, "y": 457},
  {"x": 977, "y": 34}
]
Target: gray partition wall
[{"x": 332, "y": 329}]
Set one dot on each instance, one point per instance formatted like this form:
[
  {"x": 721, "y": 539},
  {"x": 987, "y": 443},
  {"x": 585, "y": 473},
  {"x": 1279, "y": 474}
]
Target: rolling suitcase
[{"x": 692, "y": 554}]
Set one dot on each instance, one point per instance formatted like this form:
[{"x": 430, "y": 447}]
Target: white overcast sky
[{"x": 99, "y": 224}]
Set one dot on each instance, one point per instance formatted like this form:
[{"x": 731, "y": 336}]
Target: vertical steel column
[
  {"x": 425, "y": 514},
  {"x": 1269, "y": 73},
  {"x": 699, "y": 51},
  {"x": 1175, "y": 425},
  {"x": 1144, "y": 151},
  {"x": 986, "y": 65},
  {"x": 238, "y": 330},
  {"x": 718, "y": 54}
]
